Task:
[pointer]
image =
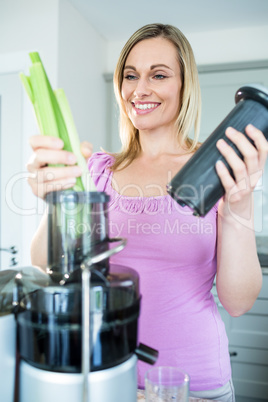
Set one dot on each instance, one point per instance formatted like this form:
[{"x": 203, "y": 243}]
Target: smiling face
[{"x": 152, "y": 84}]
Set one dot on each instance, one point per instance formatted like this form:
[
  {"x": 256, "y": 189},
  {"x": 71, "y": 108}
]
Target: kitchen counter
[
  {"x": 262, "y": 248},
  {"x": 263, "y": 258},
  {"x": 141, "y": 398}
]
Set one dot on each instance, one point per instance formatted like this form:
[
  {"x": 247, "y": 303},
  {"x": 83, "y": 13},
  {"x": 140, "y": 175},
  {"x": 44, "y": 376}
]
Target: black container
[
  {"x": 49, "y": 326},
  {"x": 77, "y": 228},
  {"x": 16, "y": 283},
  {"x": 197, "y": 183}
]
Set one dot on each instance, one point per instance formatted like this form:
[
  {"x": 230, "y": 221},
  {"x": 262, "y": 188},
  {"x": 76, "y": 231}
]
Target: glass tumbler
[{"x": 166, "y": 384}]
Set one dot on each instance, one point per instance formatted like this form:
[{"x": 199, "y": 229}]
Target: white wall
[
  {"x": 214, "y": 47},
  {"x": 81, "y": 63},
  {"x": 31, "y": 25},
  {"x": 73, "y": 53},
  {"x": 234, "y": 45},
  {"x": 27, "y": 25},
  {"x": 74, "y": 56}
]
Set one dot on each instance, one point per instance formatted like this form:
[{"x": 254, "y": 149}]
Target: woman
[{"x": 176, "y": 254}]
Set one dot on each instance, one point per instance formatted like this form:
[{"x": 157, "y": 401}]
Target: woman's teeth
[{"x": 146, "y": 106}]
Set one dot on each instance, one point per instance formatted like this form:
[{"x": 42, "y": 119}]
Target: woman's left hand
[{"x": 247, "y": 172}]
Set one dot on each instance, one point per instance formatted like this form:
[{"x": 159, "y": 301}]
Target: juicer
[{"x": 77, "y": 337}]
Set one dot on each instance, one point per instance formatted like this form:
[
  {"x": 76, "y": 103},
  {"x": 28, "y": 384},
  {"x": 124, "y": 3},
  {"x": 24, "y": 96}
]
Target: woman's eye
[
  {"x": 130, "y": 77},
  {"x": 159, "y": 76}
]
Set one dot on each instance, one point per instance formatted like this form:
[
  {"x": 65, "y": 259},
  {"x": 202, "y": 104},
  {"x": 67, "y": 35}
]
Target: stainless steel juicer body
[
  {"x": 118, "y": 383},
  {"x": 15, "y": 283},
  {"x": 7, "y": 353}
]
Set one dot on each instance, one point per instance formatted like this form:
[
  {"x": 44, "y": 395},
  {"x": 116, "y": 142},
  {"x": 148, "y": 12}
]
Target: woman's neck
[{"x": 159, "y": 142}]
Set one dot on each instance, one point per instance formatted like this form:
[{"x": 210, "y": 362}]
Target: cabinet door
[
  {"x": 250, "y": 329},
  {"x": 250, "y": 372},
  {"x": 218, "y": 92},
  {"x": 248, "y": 346}
]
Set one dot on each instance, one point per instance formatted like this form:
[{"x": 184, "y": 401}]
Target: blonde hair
[{"x": 190, "y": 110}]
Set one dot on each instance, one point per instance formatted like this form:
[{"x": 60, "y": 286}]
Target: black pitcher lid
[{"x": 255, "y": 92}]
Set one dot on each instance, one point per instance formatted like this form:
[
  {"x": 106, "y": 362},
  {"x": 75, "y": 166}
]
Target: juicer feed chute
[{"x": 77, "y": 228}]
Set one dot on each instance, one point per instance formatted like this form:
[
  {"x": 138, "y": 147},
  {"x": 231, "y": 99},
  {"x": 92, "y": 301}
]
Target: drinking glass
[{"x": 166, "y": 384}]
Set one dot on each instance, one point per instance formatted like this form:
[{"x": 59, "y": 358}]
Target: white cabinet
[
  {"x": 218, "y": 89},
  {"x": 248, "y": 346}
]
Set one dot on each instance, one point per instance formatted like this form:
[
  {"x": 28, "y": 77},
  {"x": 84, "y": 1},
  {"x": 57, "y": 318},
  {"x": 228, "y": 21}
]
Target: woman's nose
[{"x": 142, "y": 88}]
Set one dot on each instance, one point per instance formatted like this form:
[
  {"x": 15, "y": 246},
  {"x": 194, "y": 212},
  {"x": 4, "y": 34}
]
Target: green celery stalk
[
  {"x": 42, "y": 102},
  {"x": 28, "y": 86},
  {"x": 63, "y": 133},
  {"x": 74, "y": 139},
  {"x": 54, "y": 116}
]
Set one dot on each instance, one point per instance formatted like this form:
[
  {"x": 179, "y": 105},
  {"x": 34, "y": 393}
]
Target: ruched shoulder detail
[
  {"x": 141, "y": 205},
  {"x": 98, "y": 166}
]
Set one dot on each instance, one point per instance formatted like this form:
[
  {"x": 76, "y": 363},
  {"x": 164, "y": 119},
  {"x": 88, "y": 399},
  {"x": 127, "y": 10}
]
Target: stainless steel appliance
[
  {"x": 50, "y": 340},
  {"x": 14, "y": 284},
  {"x": 77, "y": 337},
  {"x": 7, "y": 336}
]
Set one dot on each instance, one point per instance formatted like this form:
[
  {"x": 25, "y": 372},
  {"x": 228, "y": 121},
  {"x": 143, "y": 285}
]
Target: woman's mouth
[{"x": 144, "y": 107}]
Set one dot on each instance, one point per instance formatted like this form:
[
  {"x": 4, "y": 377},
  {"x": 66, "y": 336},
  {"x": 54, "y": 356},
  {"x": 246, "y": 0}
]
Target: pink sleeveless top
[{"x": 174, "y": 253}]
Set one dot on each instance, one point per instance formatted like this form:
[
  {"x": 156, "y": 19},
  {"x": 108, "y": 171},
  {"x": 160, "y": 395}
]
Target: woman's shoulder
[
  {"x": 99, "y": 168},
  {"x": 100, "y": 161}
]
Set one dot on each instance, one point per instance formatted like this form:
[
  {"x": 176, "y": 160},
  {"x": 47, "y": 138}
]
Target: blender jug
[{"x": 197, "y": 183}]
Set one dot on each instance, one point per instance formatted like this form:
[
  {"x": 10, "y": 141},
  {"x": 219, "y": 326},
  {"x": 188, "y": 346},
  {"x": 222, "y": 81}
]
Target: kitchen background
[{"x": 79, "y": 42}]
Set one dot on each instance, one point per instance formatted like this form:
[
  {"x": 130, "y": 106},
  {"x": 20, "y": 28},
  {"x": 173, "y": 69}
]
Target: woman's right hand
[{"x": 48, "y": 151}]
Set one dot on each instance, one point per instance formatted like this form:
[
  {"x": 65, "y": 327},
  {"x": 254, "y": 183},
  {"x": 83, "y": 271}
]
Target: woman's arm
[{"x": 239, "y": 276}]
